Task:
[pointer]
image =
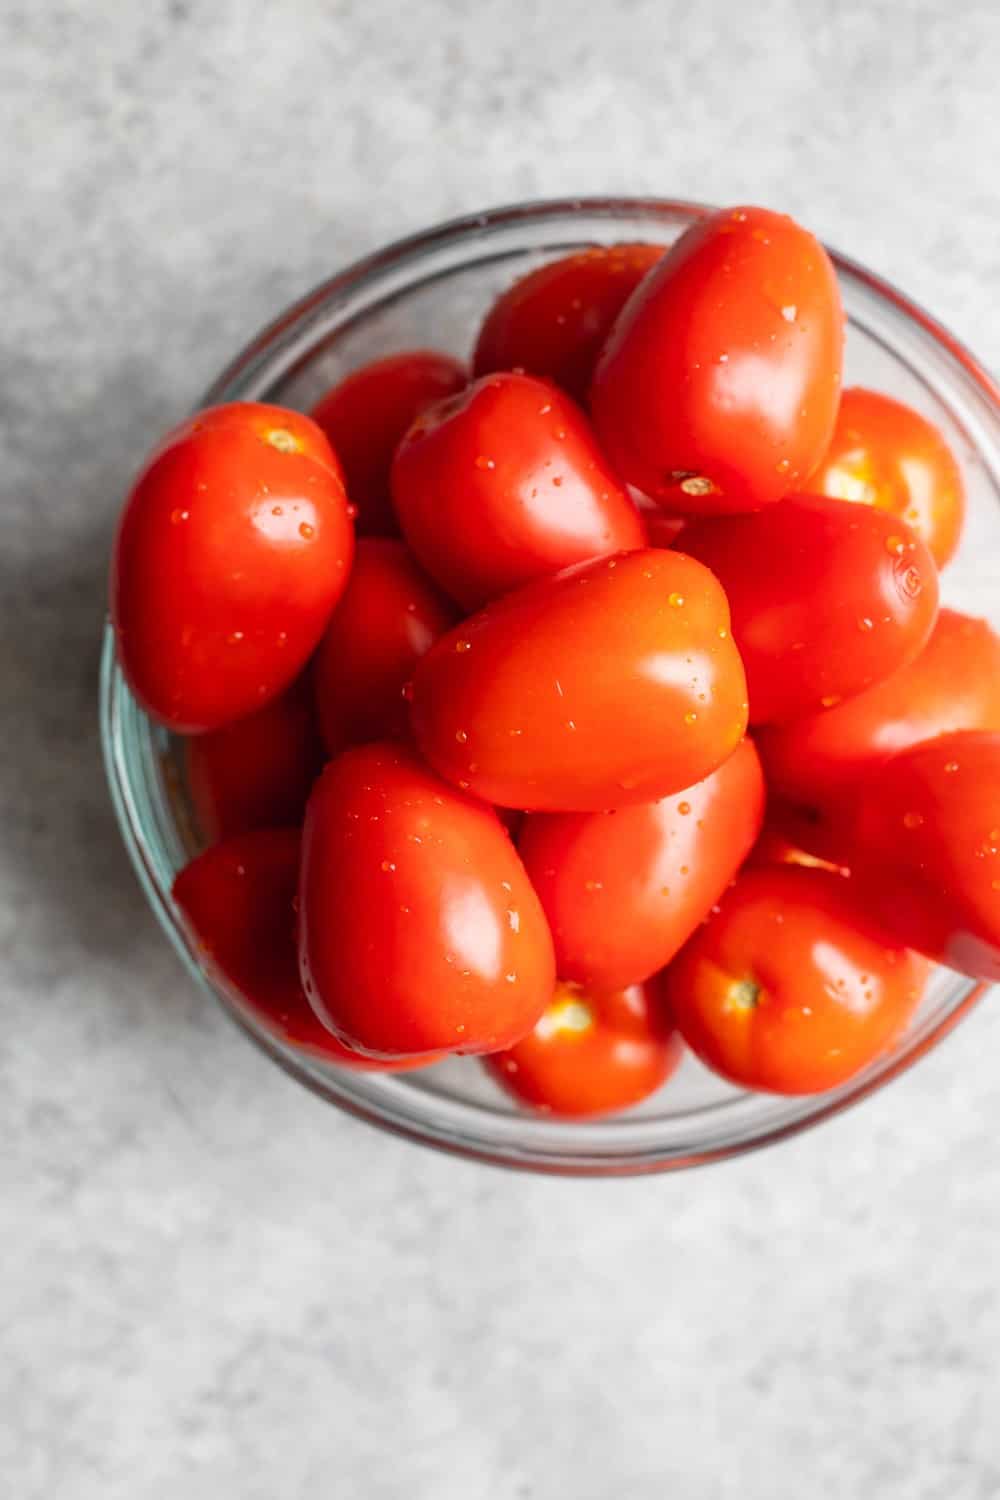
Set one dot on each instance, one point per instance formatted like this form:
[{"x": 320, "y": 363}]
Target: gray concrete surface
[{"x": 212, "y": 1285}]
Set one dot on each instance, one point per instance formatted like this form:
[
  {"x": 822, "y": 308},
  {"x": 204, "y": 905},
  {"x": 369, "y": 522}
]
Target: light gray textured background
[{"x": 212, "y": 1286}]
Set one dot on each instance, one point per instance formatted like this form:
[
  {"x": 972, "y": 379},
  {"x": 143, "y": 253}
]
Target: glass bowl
[{"x": 433, "y": 289}]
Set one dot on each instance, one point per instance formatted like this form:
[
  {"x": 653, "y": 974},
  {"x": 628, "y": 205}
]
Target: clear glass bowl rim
[{"x": 519, "y": 1141}]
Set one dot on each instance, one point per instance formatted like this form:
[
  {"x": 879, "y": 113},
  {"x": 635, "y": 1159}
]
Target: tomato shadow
[
  {"x": 71, "y": 892},
  {"x": 60, "y": 838}
]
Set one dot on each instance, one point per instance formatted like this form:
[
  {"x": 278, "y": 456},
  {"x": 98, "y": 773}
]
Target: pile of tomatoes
[{"x": 466, "y": 662}]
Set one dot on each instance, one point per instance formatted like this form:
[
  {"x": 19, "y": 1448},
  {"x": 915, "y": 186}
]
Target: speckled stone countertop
[{"x": 214, "y": 1286}]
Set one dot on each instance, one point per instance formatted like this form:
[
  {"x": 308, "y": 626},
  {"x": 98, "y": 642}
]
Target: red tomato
[
  {"x": 612, "y": 683},
  {"x": 776, "y": 847},
  {"x": 661, "y": 529},
  {"x": 506, "y": 483},
  {"x": 366, "y": 415},
  {"x": 953, "y": 684},
  {"x": 887, "y": 455},
  {"x": 624, "y": 890},
  {"x": 419, "y": 930},
  {"x": 258, "y": 772},
  {"x": 232, "y": 549},
  {"x": 826, "y": 597},
  {"x": 718, "y": 387},
  {"x": 792, "y": 987},
  {"x": 553, "y": 321},
  {"x": 238, "y": 899},
  {"x": 388, "y": 617},
  {"x": 927, "y": 827},
  {"x": 591, "y": 1053}
]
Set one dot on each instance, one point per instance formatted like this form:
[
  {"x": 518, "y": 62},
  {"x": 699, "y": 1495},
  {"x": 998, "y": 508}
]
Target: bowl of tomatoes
[{"x": 548, "y": 700}]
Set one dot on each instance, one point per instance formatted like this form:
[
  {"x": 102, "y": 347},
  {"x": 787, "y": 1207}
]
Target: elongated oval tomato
[
  {"x": 927, "y": 829},
  {"x": 366, "y": 414},
  {"x": 592, "y": 1052},
  {"x": 792, "y": 987},
  {"x": 257, "y": 772},
  {"x": 883, "y": 453},
  {"x": 953, "y": 684},
  {"x": 624, "y": 890},
  {"x": 232, "y": 549},
  {"x": 614, "y": 682},
  {"x": 717, "y": 389},
  {"x": 419, "y": 930},
  {"x": 506, "y": 483},
  {"x": 553, "y": 321},
  {"x": 238, "y": 899},
  {"x": 387, "y": 618},
  {"x": 827, "y": 598}
]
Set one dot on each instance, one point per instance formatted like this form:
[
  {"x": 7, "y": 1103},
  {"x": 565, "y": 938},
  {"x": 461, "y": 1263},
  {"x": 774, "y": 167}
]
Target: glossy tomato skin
[
  {"x": 953, "y": 684},
  {"x": 717, "y": 390},
  {"x": 624, "y": 890},
  {"x": 238, "y": 899},
  {"x": 827, "y": 598},
  {"x": 553, "y": 321},
  {"x": 232, "y": 549},
  {"x": 365, "y": 415},
  {"x": 418, "y": 928},
  {"x": 506, "y": 483},
  {"x": 612, "y": 683},
  {"x": 388, "y": 616},
  {"x": 883, "y": 453},
  {"x": 259, "y": 771},
  {"x": 791, "y": 987},
  {"x": 927, "y": 830},
  {"x": 592, "y": 1052}
]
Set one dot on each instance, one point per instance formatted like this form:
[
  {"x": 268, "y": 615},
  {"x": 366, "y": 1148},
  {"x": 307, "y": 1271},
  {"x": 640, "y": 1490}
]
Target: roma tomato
[
  {"x": 419, "y": 930},
  {"x": 777, "y": 847},
  {"x": 258, "y": 772},
  {"x": 238, "y": 899},
  {"x": 614, "y": 682},
  {"x": 624, "y": 890},
  {"x": 717, "y": 390},
  {"x": 927, "y": 829},
  {"x": 791, "y": 987},
  {"x": 553, "y": 321},
  {"x": 953, "y": 684},
  {"x": 366, "y": 414},
  {"x": 592, "y": 1052},
  {"x": 506, "y": 483},
  {"x": 233, "y": 547},
  {"x": 389, "y": 615},
  {"x": 827, "y": 598},
  {"x": 887, "y": 455}
]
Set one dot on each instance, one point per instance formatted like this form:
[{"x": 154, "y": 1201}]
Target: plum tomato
[
  {"x": 827, "y": 598},
  {"x": 418, "y": 927},
  {"x": 614, "y": 682},
  {"x": 717, "y": 389},
  {"x": 553, "y": 321},
  {"x": 885, "y": 454},
  {"x": 623, "y": 890},
  {"x": 366, "y": 414},
  {"x": 238, "y": 900},
  {"x": 791, "y": 986},
  {"x": 776, "y": 846},
  {"x": 592, "y": 1052},
  {"x": 233, "y": 547},
  {"x": 927, "y": 831},
  {"x": 258, "y": 771},
  {"x": 953, "y": 684},
  {"x": 388, "y": 616},
  {"x": 505, "y": 483}
]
